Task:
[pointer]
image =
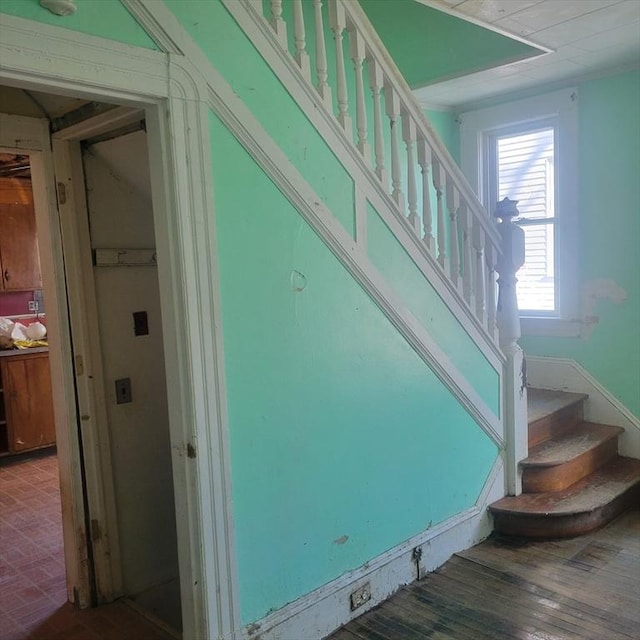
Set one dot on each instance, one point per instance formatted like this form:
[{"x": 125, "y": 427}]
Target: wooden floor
[{"x": 586, "y": 588}]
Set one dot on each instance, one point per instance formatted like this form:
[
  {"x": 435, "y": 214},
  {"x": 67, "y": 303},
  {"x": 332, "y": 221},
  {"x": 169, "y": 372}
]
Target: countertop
[{"x": 21, "y": 352}]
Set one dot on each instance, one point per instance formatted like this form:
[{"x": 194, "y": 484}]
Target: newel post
[{"x": 508, "y": 320}]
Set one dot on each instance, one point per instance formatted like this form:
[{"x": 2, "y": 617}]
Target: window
[
  {"x": 520, "y": 166},
  {"x": 526, "y": 151}
]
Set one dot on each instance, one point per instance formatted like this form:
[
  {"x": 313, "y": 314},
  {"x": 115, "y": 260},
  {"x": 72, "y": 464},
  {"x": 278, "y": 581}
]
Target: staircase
[{"x": 573, "y": 480}]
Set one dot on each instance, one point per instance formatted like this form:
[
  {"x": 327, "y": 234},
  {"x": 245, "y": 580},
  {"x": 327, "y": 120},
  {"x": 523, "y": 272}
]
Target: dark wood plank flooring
[{"x": 585, "y": 588}]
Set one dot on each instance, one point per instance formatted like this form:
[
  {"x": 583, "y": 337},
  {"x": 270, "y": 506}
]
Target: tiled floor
[{"x": 33, "y": 600}]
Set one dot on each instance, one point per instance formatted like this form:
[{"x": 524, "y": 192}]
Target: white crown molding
[
  {"x": 565, "y": 374},
  {"x": 322, "y": 611}
]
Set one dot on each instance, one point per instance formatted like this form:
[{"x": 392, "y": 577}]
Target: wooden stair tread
[
  {"x": 544, "y": 402},
  {"x": 568, "y": 446},
  {"x": 592, "y": 492}
]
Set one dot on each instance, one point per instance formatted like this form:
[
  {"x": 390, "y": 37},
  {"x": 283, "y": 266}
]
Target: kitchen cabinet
[
  {"x": 19, "y": 258},
  {"x": 26, "y": 402}
]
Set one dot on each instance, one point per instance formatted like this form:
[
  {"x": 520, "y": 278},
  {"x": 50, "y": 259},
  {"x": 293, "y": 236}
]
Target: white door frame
[{"x": 55, "y": 60}]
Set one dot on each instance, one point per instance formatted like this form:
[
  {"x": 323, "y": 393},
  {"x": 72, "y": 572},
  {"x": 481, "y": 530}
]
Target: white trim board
[
  {"x": 324, "y": 610},
  {"x": 564, "y": 374}
]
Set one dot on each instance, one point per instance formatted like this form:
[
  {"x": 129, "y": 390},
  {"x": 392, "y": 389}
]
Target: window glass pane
[
  {"x": 525, "y": 172},
  {"x": 536, "y": 279}
]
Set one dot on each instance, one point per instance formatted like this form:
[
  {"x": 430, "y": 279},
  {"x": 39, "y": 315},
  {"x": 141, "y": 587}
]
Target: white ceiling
[{"x": 586, "y": 38}]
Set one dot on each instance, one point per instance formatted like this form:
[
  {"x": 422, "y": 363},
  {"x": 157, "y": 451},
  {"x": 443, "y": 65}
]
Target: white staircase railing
[{"x": 377, "y": 113}]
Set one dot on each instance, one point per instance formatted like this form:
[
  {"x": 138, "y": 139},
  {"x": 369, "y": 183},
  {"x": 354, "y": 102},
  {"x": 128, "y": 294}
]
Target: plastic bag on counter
[
  {"x": 6, "y": 327},
  {"x": 19, "y": 332}
]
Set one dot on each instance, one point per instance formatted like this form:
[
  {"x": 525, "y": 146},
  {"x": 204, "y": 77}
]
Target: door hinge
[{"x": 62, "y": 193}]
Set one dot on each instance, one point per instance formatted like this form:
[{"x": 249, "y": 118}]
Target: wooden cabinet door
[
  {"x": 29, "y": 403},
  {"x": 19, "y": 258}
]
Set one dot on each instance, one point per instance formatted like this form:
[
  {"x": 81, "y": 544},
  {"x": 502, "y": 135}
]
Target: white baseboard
[
  {"x": 319, "y": 613},
  {"x": 564, "y": 374}
]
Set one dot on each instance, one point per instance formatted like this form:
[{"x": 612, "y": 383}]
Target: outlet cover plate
[{"x": 360, "y": 596}]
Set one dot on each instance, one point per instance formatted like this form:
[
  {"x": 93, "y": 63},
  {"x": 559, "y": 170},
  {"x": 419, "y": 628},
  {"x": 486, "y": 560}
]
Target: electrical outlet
[
  {"x": 360, "y": 596},
  {"x": 32, "y": 305}
]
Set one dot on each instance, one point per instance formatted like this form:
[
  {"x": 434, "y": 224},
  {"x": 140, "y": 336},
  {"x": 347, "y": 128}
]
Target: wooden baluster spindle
[
  {"x": 480, "y": 288},
  {"x": 376, "y": 80},
  {"x": 300, "y": 37},
  {"x": 424, "y": 160},
  {"x": 338, "y": 24},
  {"x": 392, "y": 102},
  {"x": 358, "y": 55},
  {"x": 409, "y": 137},
  {"x": 467, "y": 260},
  {"x": 453, "y": 204},
  {"x": 278, "y": 24},
  {"x": 490, "y": 268},
  {"x": 440, "y": 230},
  {"x": 322, "y": 68}
]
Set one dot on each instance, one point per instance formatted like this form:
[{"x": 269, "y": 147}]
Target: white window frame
[{"x": 560, "y": 107}]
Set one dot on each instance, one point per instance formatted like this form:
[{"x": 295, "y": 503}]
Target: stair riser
[
  {"x": 565, "y": 526},
  {"x": 559, "y": 477},
  {"x": 559, "y": 422}
]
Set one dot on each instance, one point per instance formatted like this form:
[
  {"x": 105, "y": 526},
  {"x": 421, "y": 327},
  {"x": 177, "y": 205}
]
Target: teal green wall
[
  {"x": 608, "y": 234},
  {"x": 337, "y": 427},
  {"x": 103, "y": 18},
  {"x": 429, "y": 45}
]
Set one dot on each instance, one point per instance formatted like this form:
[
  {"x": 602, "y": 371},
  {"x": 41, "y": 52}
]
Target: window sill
[{"x": 550, "y": 327}]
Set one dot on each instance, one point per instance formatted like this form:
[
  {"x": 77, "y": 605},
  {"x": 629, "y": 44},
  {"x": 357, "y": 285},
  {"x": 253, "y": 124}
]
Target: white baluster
[
  {"x": 375, "y": 82},
  {"x": 453, "y": 203},
  {"x": 478, "y": 246},
  {"x": 300, "y": 37},
  {"x": 467, "y": 260},
  {"x": 490, "y": 253},
  {"x": 440, "y": 230},
  {"x": 337, "y": 20},
  {"x": 424, "y": 160},
  {"x": 409, "y": 137},
  {"x": 278, "y": 24},
  {"x": 322, "y": 67},
  {"x": 358, "y": 55},
  {"x": 392, "y": 102}
]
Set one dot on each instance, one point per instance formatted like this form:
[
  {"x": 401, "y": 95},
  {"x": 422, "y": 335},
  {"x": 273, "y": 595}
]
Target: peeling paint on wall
[{"x": 593, "y": 291}]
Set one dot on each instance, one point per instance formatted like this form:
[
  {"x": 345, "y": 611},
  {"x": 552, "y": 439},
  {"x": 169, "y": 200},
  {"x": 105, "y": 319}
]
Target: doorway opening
[{"x": 115, "y": 343}]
